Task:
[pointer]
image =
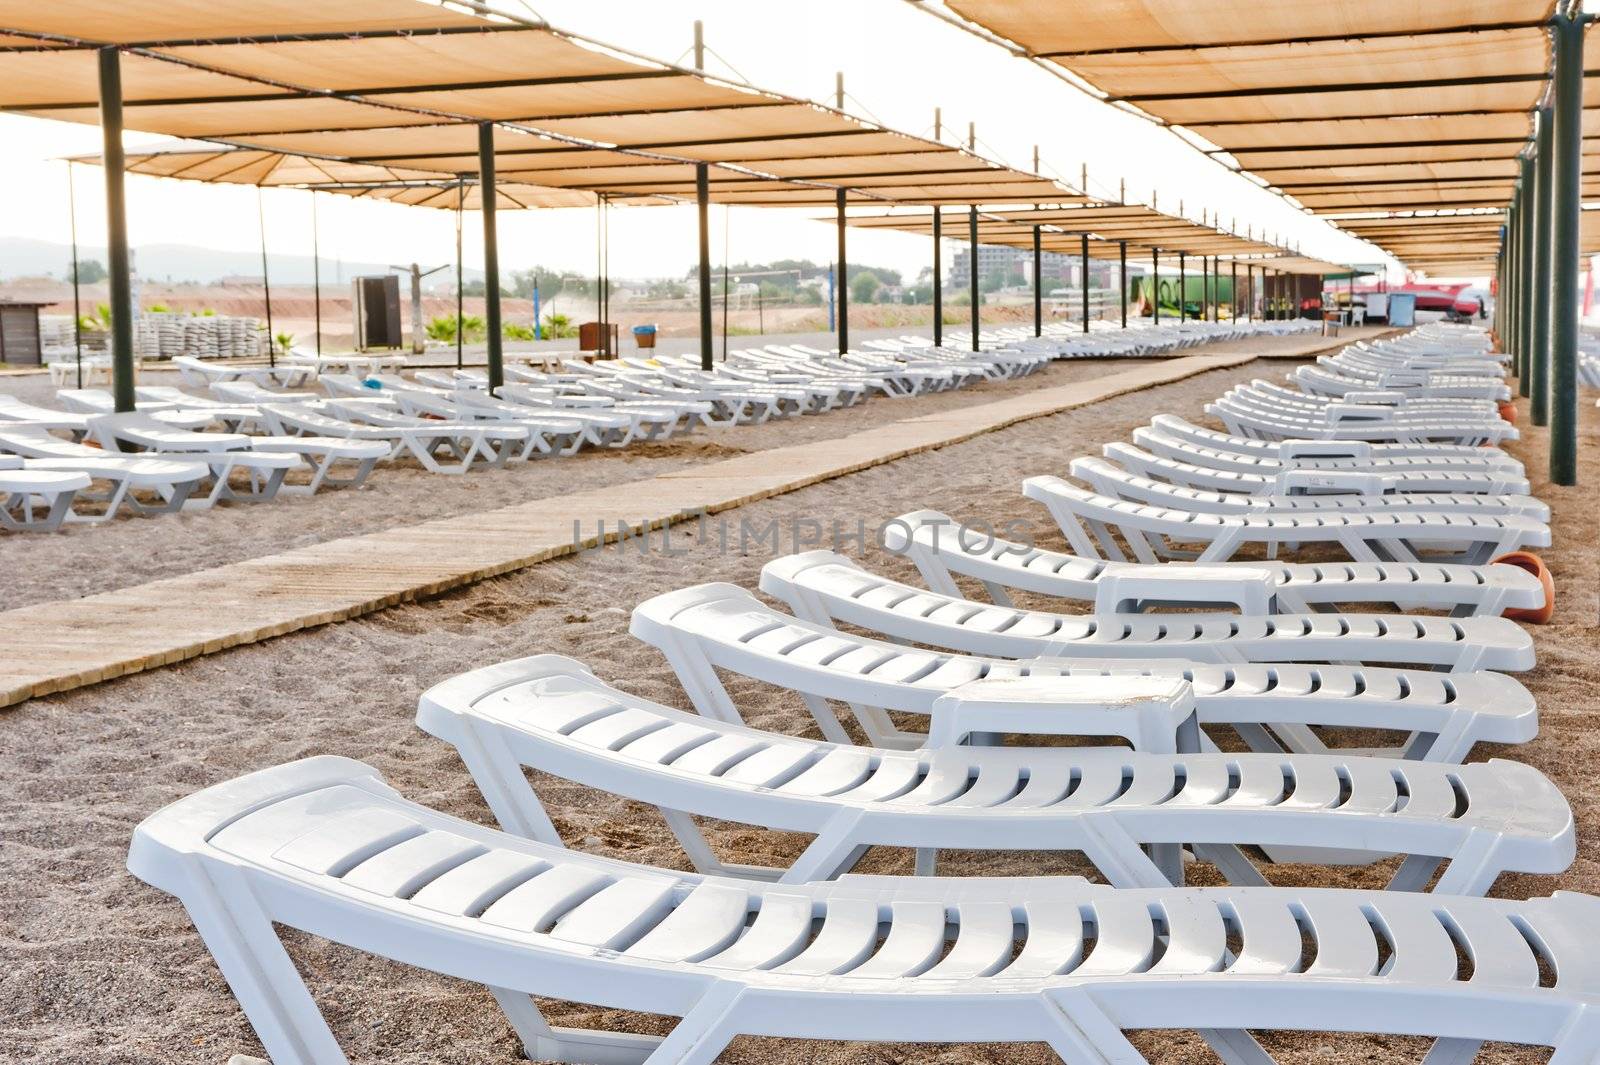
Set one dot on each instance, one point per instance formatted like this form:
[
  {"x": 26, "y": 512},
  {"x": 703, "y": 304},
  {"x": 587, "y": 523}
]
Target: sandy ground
[{"x": 96, "y": 967}]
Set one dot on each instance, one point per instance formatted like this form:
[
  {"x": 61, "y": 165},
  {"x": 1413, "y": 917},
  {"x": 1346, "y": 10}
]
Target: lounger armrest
[
  {"x": 1300, "y": 481},
  {"x": 1126, "y": 589},
  {"x": 1404, "y": 379},
  {"x": 1290, "y": 451},
  {"x": 1339, "y": 413},
  {"x": 1153, "y": 713},
  {"x": 1384, "y": 398}
]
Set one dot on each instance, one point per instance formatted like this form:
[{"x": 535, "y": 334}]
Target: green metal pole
[
  {"x": 1513, "y": 256},
  {"x": 1567, "y": 162},
  {"x": 702, "y": 200},
  {"x": 844, "y": 275},
  {"x": 972, "y": 261},
  {"x": 491, "y": 253},
  {"x": 122, "y": 310},
  {"x": 1538, "y": 386},
  {"x": 1525, "y": 280}
]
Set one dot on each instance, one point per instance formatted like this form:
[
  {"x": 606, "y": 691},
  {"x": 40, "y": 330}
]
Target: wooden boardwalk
[{"x": 56, "y": 646}]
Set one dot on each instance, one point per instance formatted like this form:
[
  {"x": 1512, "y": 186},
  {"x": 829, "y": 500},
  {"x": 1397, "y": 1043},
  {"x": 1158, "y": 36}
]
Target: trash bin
[{"x": 644, "y": 336}]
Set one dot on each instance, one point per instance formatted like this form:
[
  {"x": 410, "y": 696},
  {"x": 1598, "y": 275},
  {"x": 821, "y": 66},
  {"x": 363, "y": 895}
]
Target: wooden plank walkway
[{"x": 57, "y": 646}]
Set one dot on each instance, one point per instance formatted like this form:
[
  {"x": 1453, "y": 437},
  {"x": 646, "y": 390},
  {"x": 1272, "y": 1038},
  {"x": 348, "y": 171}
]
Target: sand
[{"x": 95, "y": 966}]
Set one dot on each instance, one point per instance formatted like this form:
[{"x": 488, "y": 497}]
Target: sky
[{"x": 898, "y": 65}]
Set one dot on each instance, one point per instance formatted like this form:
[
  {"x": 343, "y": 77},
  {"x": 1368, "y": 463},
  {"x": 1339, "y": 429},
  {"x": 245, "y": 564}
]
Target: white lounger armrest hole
[
  {"x": 1154, "y": 713},
  {"x": 1302, "y": 481},
  {"x": 1123, "y": 587},
  {"x": 1290, "y": 450}
]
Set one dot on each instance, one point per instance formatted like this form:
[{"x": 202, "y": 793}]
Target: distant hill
[{"x": 24, "y": 257}]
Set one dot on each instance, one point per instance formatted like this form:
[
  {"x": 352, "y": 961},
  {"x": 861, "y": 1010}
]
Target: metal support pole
[
  {"x": 972, "y": 263},
  {"x": 77, "y": 300},
  {"x": 1567, "y": 162},
  {"x": 1537, "y": 387},
  {"x": 1083, "y": 254},
  {"x": 461, "y": 203},
  {"x": 702, "y": 199},
  {"x": 726, "y": 244},
  {"x": 1038, "y": 285},
  {"x": 844, "y": 277},
  {"x": 1155, "y": 283},
  {"x": 1233, "y": 289},
  {"x": 122, "y": 309},
  {"x": 266, "y": 278},
  {"x": 491, "y": 254},
  {"x": 316, "y": 273},
  {"x": 1183, "y": 287},
  {"x": 1508, "y": 339},
  {"x": 938, "y": 280},
  {"x": 1525, "y": 279},
  {"x": 1122, "y": 278}
]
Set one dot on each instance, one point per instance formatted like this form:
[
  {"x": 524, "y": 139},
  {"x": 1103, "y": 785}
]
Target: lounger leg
[
  {"x": 1080, "y": 1033},
  {"x": 241, "y": 938},
  {"x": 1124, "y": 863},
  {"x": 1458, "y": 1052},
  {"x": 542, "y": 1042},
  {"x": 702, "y": 857},
  {"x": 704, "y": 1031},
  {"x": 836, "y": 850},
  {"x": 505, "y": 788}
]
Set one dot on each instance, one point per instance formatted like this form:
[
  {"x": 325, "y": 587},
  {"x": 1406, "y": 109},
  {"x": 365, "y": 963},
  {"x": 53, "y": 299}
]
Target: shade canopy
[
  {"x": 222, "y": 164},
  {"x": 1355, "y": 105},
  {"x": 404, "y": 84},
  {"x": 1106, "y": 225}
]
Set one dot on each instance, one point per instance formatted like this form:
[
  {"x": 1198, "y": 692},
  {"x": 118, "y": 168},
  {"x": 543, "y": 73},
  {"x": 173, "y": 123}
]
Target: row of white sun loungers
[{"x": 813, "y": 951}]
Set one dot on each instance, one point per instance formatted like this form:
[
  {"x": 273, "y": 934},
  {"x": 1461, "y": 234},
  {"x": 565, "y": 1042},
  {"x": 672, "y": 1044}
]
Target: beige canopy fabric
[
  {"x": 1062, "y": 230},
  {"x": 198, "y": 161},
  {"x": 1346, "y": 105},
  {"x": 405, "y": 84}
]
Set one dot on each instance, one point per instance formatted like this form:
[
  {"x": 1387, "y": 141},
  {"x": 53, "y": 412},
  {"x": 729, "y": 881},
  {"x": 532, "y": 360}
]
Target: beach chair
[
  {"x": 645, "y": 421},
  {"x": 13, "y": 409},
  {"x": 715, "y": 627},
  {"x": 249, "y": 393},
  {"x": 1155, "y": 533},
  {"x": 172, "y": 478},
  {"x": 1356, "y": 422},
  {"x": 1205, "y": 464},
  {"x": 323, "y": 846},
  {"x": 224, "y": 453},
  {"x": 943, "y": 549},
  {"x": 1232, "y": 443},
  {"x": 94, "y": 401},
  {"x": 547, "y": 434},
  {"x": 1295, "y": 492},
  {"x": 199, "y": 373},
  {"x": 551, "y": 714},
  {"x": 602, "y": 428},
  {"x": 828, "y": 589},
  {"x": 37, "y": 500},
  {"x": 422, "y": 439}
]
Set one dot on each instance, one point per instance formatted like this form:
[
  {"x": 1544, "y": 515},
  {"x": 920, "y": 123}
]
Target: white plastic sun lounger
[
  {"x": 225, "y": 453},
  {"x": 547, "y": 434},
  {"x": 1338, "y": 379},
  {"x": 200, "y": 373},
  {"x": 942, "y": 550},
  {"x": 727, "y": 408},
  {"x": 643, "y": 421},
  {"x": 722, "y": 627},
  {"x": 423, "y": 440},
  {"x": 551, "y": 714},
  {"x": 1351, "y": 477},
  {"x": 1351, "y": 424},
  {"x": 1316, "y": 456},
  {"x": 172, "y": 478},
  {"x": 1155, "y": 533},
  {"x": 248, "y": 393},
  {"x": 826, "y": 588},
  {"x": 25, "y": 493},
  {"x": 93, "y": 401},
  {"x": 13, "y": 409},
  {"x": 325, "y": 847},
  {"x": 1174, "y": 426},
  {"x": 1328, "y": 493},
  {"x": 600, "y": 428}
]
